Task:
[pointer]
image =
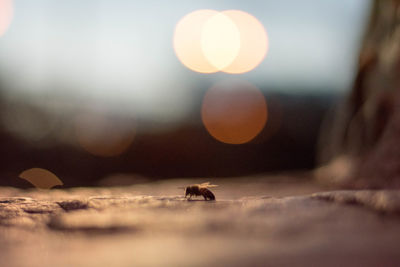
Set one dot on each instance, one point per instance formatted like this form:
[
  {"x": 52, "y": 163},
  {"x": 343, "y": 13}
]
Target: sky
[{"x": 120, "y": 53}]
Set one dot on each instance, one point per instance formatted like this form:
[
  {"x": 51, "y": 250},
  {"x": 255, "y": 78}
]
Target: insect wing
[{"x": 207, "y": 185}]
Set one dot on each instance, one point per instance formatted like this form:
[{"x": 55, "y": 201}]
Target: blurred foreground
[{"x": 273, "y": 221}]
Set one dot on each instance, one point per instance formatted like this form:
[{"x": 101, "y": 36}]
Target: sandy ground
[{"x": 270, "y": 221}]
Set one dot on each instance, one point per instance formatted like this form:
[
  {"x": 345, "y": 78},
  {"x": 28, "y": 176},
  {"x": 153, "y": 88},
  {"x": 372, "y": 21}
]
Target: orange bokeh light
[
  {"x": 41, "y": 178},
  {"x": 231, "y": 41},
  {"x": 6, "y": 14},
  {"x": 101, "y": 135},
  {"x": 234, "y": 112}
]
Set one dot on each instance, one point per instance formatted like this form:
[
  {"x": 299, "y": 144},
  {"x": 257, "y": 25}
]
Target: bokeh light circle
[
  {"x": 6, "y": 15},
  {"x": 253, "y": 42},
  {"x": 187, "y": 41},
  {"x": 234, "y": 112},
  {"x": 220, "y": 41},
  {"x": 231, "y": 41},
  {"x": 102, "y": 135},
  {"x": 41, "y": 178}
]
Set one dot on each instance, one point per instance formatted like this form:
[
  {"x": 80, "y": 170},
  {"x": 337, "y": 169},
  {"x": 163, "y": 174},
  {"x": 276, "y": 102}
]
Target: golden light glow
[
  {"x": 6, "y": 14},
  {"x": 231, "y": 41},
  {"x": 234, "y": 112},
  {"x": 101, "y": 135},
  {"x": 41, "y": 178},
  {"x": 253, "y": 42},
  {"x": 187, "y": 41},
  {"x": 220, "y": 41}
]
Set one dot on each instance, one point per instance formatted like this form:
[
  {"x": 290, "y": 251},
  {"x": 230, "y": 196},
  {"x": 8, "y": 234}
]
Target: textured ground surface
[{"x": 268, "y": 222}]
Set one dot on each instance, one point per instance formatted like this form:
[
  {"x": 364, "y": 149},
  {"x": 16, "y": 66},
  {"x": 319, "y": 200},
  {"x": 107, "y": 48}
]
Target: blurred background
[{"x": 100, "y": 92}]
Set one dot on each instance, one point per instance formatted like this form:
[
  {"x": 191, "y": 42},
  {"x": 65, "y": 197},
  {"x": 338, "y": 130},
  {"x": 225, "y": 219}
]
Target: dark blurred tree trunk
[{"x": 362, "y": 148}]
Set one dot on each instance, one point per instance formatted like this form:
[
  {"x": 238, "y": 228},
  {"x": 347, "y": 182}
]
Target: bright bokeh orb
[
  {"x": 234, "y": 112},
  {"x": 6, "y": 14},
  {"x": 187, "y": 41},
  {"x": 231, "y": 41},
  {"x": 41, "y": 178},
  {"x": 253, "y": 42},
  {"x": 220, "y": 41}
]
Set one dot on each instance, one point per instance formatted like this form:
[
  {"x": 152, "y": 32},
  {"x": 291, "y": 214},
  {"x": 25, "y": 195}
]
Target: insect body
[{"x": 200, "y": 190}]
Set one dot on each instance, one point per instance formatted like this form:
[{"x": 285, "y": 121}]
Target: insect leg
[{"x": 207, "y": 194}]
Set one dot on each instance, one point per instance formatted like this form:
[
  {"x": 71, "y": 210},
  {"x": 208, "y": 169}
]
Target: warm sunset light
[
  {"x": 234, "y": 112},
  {"x": 187, "y": 41},
  {"x": 6, "y": 14},
  {"x": 253, "y": 42},
  {"x": 220, "y": 41},
  {"x": 41, "y": 178},
  {"x": 101, "y": 135},
  {"x": 231, "y": 41}
]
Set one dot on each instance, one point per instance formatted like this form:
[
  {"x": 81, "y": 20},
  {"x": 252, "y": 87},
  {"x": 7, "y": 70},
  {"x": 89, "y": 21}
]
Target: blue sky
[{"x": 121, "y": 51}]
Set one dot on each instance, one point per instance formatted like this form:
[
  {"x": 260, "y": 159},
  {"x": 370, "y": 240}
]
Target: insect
[{"x": 200, "y": 190}]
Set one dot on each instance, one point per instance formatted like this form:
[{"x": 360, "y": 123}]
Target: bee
[{"x": 200, "y": 190}]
